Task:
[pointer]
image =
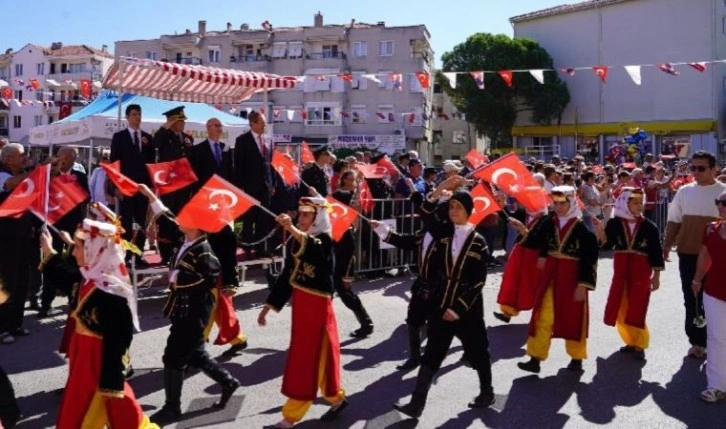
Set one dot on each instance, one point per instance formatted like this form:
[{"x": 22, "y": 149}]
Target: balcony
[
  {"x": 4, "y": 132},
  {"x": 62, "y": 78},
  {"x": 190, "y": 61},
  {"x": 248, "y": 58},
  {"x": 4, "y": 106},
  {"x": 324, "y": 55}
]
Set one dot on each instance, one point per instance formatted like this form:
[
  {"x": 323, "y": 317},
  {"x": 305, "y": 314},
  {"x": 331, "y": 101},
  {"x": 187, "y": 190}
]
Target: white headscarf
[
  {"x": 321, "y": 224},
  {"x": 104, "y": 255},
  {"x": 569, "y": 192},
  {"x": 620, "y": 209}
]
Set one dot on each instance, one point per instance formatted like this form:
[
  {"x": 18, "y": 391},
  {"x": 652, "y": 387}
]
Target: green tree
[{"x": 494, "y": 110}]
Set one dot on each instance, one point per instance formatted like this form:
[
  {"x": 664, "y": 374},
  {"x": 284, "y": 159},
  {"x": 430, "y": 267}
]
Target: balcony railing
[
  {"x": 248, "y": 58},
  {"x": 74, "y": 77},
  {"x": 324, "y": 55},
  {"x": 4, "y": 132},
  {"x": 193, "y": 61}
]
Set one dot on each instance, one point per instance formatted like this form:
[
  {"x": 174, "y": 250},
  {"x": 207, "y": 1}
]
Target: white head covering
[
  {"x": 104, "y": 253},
  {"x": 321, "y": 224},
  {"x": 569, "y": 192},
  {"x": 620, "y": 209}
]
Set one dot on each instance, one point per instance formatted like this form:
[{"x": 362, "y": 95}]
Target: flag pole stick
[{"x": 46, "y": 196}]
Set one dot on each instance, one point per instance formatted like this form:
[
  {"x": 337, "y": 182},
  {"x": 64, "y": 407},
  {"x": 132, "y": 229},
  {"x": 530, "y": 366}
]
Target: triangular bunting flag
[
  {"x": 290, "y": 114},
  {"x": 538, "y": 74},
  {"x": 372, "y": 78},
  {"x": 569, "y": 71},
  {"x": 478, "y": 78},
  {"x": 601, "y": 72},
  {"x": 701, "y": 66},
  {"x": 448, "y": 75},
  {"x": 634, "y": 73},
  {"x": 668, "y": 68},
  {"x": 506, "y": 76},
  {"x": 346, "y": 77}
]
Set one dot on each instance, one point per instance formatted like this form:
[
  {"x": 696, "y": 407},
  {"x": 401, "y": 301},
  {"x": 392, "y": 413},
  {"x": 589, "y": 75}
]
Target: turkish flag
[
  {"x": 366, "y": 198},
  {"x": 7, "y": 93},
  {"x": 341, "y": 217},
  {"x": 34, "y": 83},
  {"x": 26, "y": 193},
  {"x": 424, "y": 79},
  {"x": 127, "y": 186},
  {"x": 346, "y": 77},
  {"x": 601, "y": 72},
  {"x": 64, "y": 195},
  {"x": 372, "y": 171},
  {"x": 476, "y": 159},
  {"x": 86, "y": 88},
  {"x": 506, "y": 76},
  {"x": 64, "y": 109},
  {"x": 513, "y": 178},
  {"x": 306, "y": 154},
  {"x": 172, "y": 175},
  {"x": 286, "y": 168},
  {"x": 217, "y": 204},
  {"x": 386, "y": 162},
  {"x": 484, "y": 204}
]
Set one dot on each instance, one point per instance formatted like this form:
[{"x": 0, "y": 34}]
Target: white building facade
[
  {"x": 325, "y": 107},
  {"x": 45, "y": 80},
  {"x": 680, "y": 113},
  {"x": 452, "y": 136}
]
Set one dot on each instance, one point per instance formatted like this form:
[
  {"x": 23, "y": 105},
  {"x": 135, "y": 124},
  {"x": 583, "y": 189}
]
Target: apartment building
[
  {"x": 683, "y": 109},
  {"x": 45, "y": 80},
  {"x": 452, "y": 136},
  {"x": 378, "y": 112}
]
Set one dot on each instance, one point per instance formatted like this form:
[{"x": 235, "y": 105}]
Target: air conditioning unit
[{"x": 399, "y": 132}]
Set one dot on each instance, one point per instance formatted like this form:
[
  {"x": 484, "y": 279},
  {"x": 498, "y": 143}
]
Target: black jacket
[
  {"x": 253, "y": 172},
  {"x": 133, "y": 161},
  {"x": 204, "y": 164}
]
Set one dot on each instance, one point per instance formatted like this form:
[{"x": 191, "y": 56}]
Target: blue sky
[{"x": 103, "y": 22}]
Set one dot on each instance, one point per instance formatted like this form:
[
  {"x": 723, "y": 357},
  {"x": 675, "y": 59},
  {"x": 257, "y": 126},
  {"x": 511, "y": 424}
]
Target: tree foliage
[{"x": 494, "y": 110}]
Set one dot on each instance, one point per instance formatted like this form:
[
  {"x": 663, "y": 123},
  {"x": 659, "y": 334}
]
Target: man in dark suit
[
  {"x": 133, "y": 148},
  {"x": 171, "y": 143},
  {"x": 254, "y": 175},
  {"x": 315, "y": 176}
]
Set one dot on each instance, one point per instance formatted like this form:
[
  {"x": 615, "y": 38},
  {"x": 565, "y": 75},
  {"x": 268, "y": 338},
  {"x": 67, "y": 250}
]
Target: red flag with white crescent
[
  {"x": 86, "y": 88},
  {"x": 601, "y": 72},
  {"x": 476, "y": 159},
  {"x": 127, "y": 186},
  {"x": 341, "y": 217},
  {"x": 171, "y": 175},
  {"x": 65, "y": 193},
  {"x": 484, "y": 204},
  {"x": 386, "y": 162},
  {"x": 26, "y": 192},
  {"x": 218, "y": 203},
  {"x": 306, "y": 155},
  {"x": 513, "y": 178},
  {"x": 372, "y": 171},
  {"x": 288, "y": 170},
  {"x": 424, "y": 78},
  {"x": 366, "y": 198}
]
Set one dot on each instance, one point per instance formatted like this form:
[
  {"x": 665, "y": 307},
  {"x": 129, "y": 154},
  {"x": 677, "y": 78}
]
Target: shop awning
[{"x": 181, "y": 82}]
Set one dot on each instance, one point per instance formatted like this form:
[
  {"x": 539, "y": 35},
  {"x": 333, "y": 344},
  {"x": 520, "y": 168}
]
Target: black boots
[
  {"x": 171, "y": 411},
  {"x": 366, "y": 324},
  {"x": 229, "y": 384},
  {"x": 575, "y": 365},
  {"x": 414, "y": 349},
  {"x": 415, "y": 408},
  {"x": 531, "y": 366},
  {"x": 486, "y": 393}
]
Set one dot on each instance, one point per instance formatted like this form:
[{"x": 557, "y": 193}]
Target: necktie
[
  {"x": 136, "y": 140},
  {"x": 217, "y": 153}
]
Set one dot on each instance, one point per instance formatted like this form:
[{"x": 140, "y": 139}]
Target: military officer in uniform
[
  {"x": 171, "y": 143},
  {"x": 315, "y": 176}
]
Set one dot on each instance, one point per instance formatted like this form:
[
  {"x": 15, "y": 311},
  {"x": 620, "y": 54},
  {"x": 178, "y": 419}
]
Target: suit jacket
[
  {"x": 204, "y": 164},
  {"x": 315, "y": 177},
  {"x": 170, "y": 146},
  {"x": 133, "y": 161},
  {"x": 253, "y": 173}
]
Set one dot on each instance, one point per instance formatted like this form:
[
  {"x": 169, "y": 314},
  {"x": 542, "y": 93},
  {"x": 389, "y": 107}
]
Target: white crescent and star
[
  {"x": 232, "y": 197},
  {"x": 30, "y": 188},
  {"x": 497, "y": 174},
  {"x": 487, "y": 202},
  {"x": 157, "y": 180},
  {"x": 335, "y": 212}
]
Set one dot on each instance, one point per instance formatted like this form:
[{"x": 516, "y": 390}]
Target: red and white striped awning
[{"x": 198, "y": 84}]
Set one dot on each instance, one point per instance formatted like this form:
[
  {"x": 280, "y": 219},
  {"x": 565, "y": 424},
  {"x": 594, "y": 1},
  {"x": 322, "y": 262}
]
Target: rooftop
[{"x": 563, "y": 9}]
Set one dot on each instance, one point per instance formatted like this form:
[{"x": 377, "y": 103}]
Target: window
[
  {"x": 279, "y": 50},
  {"x": 3, "y": 122},
  {"x": 52, "y": 95},
  {"x": 18, "y": 70},
  {"x": 296, "y": 50},
  {"x": 40, "y": 69},
  {"x": 39, "y": 95},
  {"x": 131, "y": 54},
  {"x": 414, "y": 85},
  {"x": 358, "y": 114},
  {"x": 386, "y": 48},
  {"x": 4, "y": 73},
  {"x": 76, "y": 68},
  {"x": 38, "y": 120},
  {"x": 19, "y": 94},
  {"x": 215, "y": 54},
  {"x": 385, "y": 114},
  {"x": 278, "y": 114},
  {"x": 17, "y": 121},
  {"x": 330, "y": 51},
  {"x": 386, "y": 80},
  {"x": 458, "y": 137},
  {"x": 541, "y": 141},
  {"x": 151, "y": 55},
  {"x": 360, "y": 49},
  {"x": 247, "y": 52},
  {"x": 320, "y": 114}
]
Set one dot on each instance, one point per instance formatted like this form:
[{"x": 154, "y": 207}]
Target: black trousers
[
  {"x": 344, "y": 257},
  {"x": 224, "y": 246},
  {"x": 133, "y": 210},
  {"x": 470, "y": 330},
  {"x": 15, "y": 255},
  {"x": 687, "y": 268},
  {"x": 9, "y": 411},
  {"x": 418, "y": 306},
  {"x": 169, "y": 235},
  {"x": 185, "y": 345}
]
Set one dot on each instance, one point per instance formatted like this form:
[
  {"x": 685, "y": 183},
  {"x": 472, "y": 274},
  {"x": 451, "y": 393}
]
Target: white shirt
[
  {"x": 97, "y": 185},
  {"x": 461, "y": 233}
]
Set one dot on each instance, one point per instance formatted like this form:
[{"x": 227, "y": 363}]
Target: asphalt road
[{"x": 614, "y": 390}]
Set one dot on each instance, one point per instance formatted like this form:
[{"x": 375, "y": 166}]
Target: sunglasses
[
  {"x": 721, "y": 203},
  {"x": 699, "y": 168}
]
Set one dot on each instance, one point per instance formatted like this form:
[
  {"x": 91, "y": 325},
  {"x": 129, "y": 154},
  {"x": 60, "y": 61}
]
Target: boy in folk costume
[
  {"x": 96, "y": 393},
  {"x": 194, "y": 270},
  {"x": 313, "y": 361},
  {"x": 519, "y": 281},
  {"x": 638, "y": 262},
  {"x": 570, "y": 254}
]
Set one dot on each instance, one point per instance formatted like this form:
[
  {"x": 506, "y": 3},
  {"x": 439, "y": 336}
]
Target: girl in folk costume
[
  {"x": 638, "y": 262},
  {"x": 519, "y": 281},
  {"x": 313, "y": 361},
  {"x": 96, "y": 394},
  {"x": 710, "y": 272},
  {"x": 570, "y": 268}
]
